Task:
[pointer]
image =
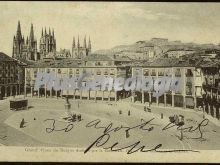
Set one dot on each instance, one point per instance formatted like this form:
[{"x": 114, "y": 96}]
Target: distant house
[{"x": 178, "y": 53}]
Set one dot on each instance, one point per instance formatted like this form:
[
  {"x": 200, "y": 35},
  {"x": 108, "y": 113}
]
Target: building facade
[
  {"x": 189, "y": 96},
  {"x": 11, "y": 76},
  {"x": 211, "y": 86},
  {"x": 96, "y": 65}
]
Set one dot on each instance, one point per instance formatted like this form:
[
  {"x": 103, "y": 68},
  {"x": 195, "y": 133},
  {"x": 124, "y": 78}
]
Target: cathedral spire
[
  {"x": 78, "y": 44},
  {"x": 74, "y": 44},
  {"x": 49, "y": 31},
  {"x": 84, "y": 42},
  {"x": 42, "y": 33},
  {"x": 31, "y": 33},
  {"x": 89, "y": 44},
  {"x": 45, "y": 31},
  {"x": 19, "y": 37},
  {"x": 19, "y": 27},
  {"x": 27, "y": 41},
  {"x": 53, "y": 33}
]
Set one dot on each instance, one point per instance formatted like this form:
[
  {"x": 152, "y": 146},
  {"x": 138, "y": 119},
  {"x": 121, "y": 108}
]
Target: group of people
[
  {"x": 120, "y": 112},
  {"x": 177, "y": 119}
]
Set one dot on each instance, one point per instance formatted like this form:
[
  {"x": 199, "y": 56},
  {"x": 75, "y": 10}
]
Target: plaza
[{"x": 40, "y": 109}]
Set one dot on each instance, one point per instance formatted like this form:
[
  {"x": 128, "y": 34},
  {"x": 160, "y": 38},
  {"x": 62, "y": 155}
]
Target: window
[
  {"x": 153, "y": 72},
  {"x": 160, "y": 72},
  {"x": 189, "y": 73},
  {"x": 98, "y": 72},
  {"x": 106, "y": 72},
  {"x": 178, "y": 73},
  {"x": 146, "y": 72},
  {"x": 77, "y": 71}
]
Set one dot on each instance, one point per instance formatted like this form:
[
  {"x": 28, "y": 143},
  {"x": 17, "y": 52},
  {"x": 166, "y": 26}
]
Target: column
[
  {"x": 25, "y": 85},
  {"x": 6, "y": 91},
  {"x": 172, "y": 99},
  {"x": 1, "y": 93},
  {"x": 214, "y": 111},
  {"x": 184, "y": 101},
  {"x": 184, "y": 88},
  {"x": 80, "y": 94},
  {"x": 11, "y": 91},
  {"x": 157, "y": 98},
  {"x": 19, "y": 89},
  {"x": 172, "y": 91},
  {"x": 195, "y": 102},
  {"x": 165, "y": 99},
  {"x": 102, "y": 95},
  {"x": 16, "y": 90},
  {"x": 142, "y": 97},
  {"x": 149, "y": 98},
  {"x": 209, "y": 109},
  {"x": 157, "y": 101},
  {"x": 51, "y": 93},
  {"x": 31, "y": 91},
  {"x": 38, "y": 92},
  {"x": 115, "y": 96},
  {"x": 74, "y": 93},
  {"x": 45, "y": 91},
  {"x": 132, "y": 97},
  {"x": 25, "y": 90},
  {"x": 88, "y": 98},
  {"x": 109, "y": 96},
  {"x": 95, "y": 95}
]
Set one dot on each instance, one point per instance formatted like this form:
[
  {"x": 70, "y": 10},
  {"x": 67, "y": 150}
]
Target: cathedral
[
  {"x": 24, "y": 49},
  {"x": 27, "y": 50},
  {"x": 80, "y": 52},
  {"x": 47, "y": 43}
]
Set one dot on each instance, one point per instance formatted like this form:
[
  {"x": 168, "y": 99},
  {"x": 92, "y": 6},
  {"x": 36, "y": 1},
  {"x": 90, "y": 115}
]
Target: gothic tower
[
  {"x": 47, "y": 43},
  {"x": 24, "y": 50},
  {"x": 32, "y": 46},
  {"x": 80, "y": 52},
  {"x": 18, "y": 42}
]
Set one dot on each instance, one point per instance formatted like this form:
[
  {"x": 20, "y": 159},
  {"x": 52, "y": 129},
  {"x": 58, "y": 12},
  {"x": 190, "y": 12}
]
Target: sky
[{"x": 111, "y": 23}]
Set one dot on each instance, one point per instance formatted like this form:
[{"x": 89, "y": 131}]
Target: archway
[
  {"x": 8, "y": 91},
  {"x": 13, "y": 91},
  {"x": 2, "y": 93}
]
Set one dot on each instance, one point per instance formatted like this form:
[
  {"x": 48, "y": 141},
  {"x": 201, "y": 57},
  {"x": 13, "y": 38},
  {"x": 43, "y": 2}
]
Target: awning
[
  {"x": 85, "y": 94},
  {"x": 77, "y": 93},
  {"x": 106, "y": 94},
  {"x": 99, "y": 94},
  {"x": 92, "y": 94},
  {"x": 112, "y": 94},
  {"x": 189, "y": 101}
]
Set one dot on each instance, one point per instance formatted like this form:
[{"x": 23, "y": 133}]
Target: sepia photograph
[{"x": 110, "y": 81}]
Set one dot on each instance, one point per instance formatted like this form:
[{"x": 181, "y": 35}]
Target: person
[
  {"x": 127, "y": 134},
  {"x": 145, "y": 108},
  {"x": 79, "y": 117},
  {"x": 22, "y": 123},
  {"x": 129, "y": 113},
  {"x": 176, "y": 119}
]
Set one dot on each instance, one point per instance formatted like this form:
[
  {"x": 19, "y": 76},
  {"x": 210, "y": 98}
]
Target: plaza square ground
[{"x": 40, "y": 109}]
